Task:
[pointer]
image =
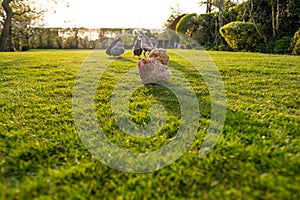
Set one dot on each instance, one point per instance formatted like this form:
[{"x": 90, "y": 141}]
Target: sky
[{"x": 117, "y": 13}]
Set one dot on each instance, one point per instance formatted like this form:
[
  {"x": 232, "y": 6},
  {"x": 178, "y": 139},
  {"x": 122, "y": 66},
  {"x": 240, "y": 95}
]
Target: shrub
[
  {"x": 261, "y": 47},
  {"x": 182, "y": 31},
  {"x": 174, "y": 22},
  {"x": 282, "y": 45},
  {"x": 296, "y": 43},
  {"x": 224, "y": 47},
  {"x": 26, "y": 47},
  {"x": 240, "y": 35},
  {"x": 198, "y": 48},
  {"x": 184, "y": 23},
  {"x": 296, "y": 49}
]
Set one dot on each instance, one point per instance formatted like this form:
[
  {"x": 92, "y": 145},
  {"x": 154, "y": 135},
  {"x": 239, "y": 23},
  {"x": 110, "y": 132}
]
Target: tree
[
  {"x": 277, "y": 15},
  {"x": 15, "y": 12},
  {"x": 176, "y": 15},
  {"x": 221, "y": 6},
  {"x": 5, "y": 38},
  {"x": 209, "y": 5},
  {"x": 17, "y": 18},
  {"x": 255, "y": 24},
  {"x": 275, "y": 18},
  {"x": 22, "y": 27},
  {"x": 272, "y": 4},
  {"x": 203, "y": 30},
  {"x": 221, "y": 10}
]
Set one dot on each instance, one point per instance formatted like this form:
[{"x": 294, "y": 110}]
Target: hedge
[{"x": 240, "y": 35}]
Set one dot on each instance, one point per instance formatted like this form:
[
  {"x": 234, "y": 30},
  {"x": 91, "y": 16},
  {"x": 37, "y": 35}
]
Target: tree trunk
[
  {"x": 277, "y": 16},
  {"x": 244, "y": 13},
  {"x": 221, "y": 10},
  {"x": 273, "y": 18},
  {"x": 5, "y": 38},
  {"x": 208, "y": 6},
  {"x": 216, "y": 42},
  {"x": 76, "y": 38}
]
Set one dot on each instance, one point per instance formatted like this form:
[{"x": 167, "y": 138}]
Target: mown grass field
[{"x": 256, "y": 157}]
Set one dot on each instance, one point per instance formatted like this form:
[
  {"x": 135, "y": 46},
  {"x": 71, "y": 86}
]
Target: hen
[
  {"x": 116, "y": 48},
  {"x": 154, "y": 69},
  {"x": 142, "y": 44},
  {"x": 137, "y": 48}
]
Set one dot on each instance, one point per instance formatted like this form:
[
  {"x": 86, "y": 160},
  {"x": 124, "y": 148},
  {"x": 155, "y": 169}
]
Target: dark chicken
[{"x": 142, "y": 44}]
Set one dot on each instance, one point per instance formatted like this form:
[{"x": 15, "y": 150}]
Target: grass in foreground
[{"x": 257, "y": 156}]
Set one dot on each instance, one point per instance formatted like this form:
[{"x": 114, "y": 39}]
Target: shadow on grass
[{"x": 123, "y": 59}]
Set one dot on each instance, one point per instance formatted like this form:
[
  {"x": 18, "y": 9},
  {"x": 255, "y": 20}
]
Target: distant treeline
[{"x": 69, "y": 38}]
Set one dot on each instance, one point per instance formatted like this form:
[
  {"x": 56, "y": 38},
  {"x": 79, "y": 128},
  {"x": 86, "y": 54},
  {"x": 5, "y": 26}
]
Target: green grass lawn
[{"x": 256, "y": 157}]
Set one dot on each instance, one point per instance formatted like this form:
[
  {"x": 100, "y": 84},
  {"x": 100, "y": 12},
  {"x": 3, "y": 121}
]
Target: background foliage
[{"x": 273, "y": 21}]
